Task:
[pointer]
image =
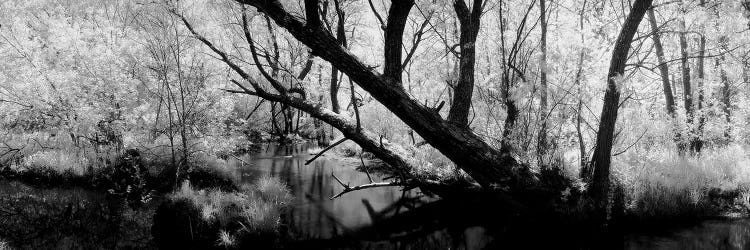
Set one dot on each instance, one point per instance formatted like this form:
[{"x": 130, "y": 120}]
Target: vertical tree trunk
[
  {"x": 696, "y": 142},
  {"x": 542, "y": 141},
  {"x": 605, "y": 136},
  {"x": 585, "y": 172},
  {"x": 470, "y": 23},
  {"x": 341, "y": 39},
  {"x": 687, "y": 92},
  {"x": 726, "y": 98}
]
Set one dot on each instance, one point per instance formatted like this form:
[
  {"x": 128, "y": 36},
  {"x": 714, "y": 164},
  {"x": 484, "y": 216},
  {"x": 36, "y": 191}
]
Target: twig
[
  {"x": 631, "y": 145},
  {"x": 324, "y": 150},
  {"x": 243, "y": 162},
  {"x": 377, "y": 15}
]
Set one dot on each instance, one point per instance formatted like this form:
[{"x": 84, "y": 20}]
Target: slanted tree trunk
[
  {"x": 663, "y": 66},
  {"x": 470, "y": 23},
  {"x": 601, "y": 159}
]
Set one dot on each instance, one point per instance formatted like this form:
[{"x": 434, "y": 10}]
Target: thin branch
[
  {"x": 377, "y": 15},
  {"x": 324, "y": 150},
  {"x": 631, "y": 145}
]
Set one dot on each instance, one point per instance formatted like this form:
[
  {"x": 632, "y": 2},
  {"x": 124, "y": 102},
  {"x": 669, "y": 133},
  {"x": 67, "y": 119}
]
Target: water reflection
[
  {"x": 714, "y": 234},
  {"x": 362, "y": 219}
]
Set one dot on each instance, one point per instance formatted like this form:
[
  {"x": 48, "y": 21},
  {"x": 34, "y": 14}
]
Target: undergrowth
[{"x": 662, "y": 184}]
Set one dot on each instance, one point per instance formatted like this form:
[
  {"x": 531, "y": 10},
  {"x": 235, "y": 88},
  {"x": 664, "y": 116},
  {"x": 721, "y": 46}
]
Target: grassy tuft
[{"x": 255, "y": 208}]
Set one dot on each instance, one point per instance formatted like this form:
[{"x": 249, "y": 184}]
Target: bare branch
[
  {"x": 348, "y": 188},
  {"x": 377, "y": 15},
  {"x": 324, "y": 150}
]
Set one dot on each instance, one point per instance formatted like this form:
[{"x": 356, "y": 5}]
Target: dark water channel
[{"x": 381, "y": 218}]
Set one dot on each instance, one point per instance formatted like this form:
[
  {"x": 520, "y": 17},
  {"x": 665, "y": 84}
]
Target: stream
[{"x": 378, "y": 218}]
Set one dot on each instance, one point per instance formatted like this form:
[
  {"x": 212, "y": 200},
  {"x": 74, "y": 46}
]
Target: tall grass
[
  {"x": 256, "y": 208},
  {"x": 660, "y": 183}
]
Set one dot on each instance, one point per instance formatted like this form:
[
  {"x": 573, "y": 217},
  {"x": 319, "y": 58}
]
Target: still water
[{"x": 381, "y": 218}]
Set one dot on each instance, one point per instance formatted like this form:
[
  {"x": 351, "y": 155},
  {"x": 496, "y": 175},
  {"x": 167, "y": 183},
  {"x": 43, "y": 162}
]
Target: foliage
[{"x": 55, "y": 162}]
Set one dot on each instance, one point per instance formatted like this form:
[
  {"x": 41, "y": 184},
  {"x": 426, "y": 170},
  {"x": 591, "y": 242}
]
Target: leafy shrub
[{"x": 127, "y": 176}]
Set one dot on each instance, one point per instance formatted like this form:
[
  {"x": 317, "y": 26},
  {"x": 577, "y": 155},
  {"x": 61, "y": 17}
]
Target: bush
[{"x": 127, "y": 176}]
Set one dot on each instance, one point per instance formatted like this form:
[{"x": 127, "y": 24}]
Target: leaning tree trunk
[
  {"x": 662, "y": 65},
  {"x": 601, "y": 160}
]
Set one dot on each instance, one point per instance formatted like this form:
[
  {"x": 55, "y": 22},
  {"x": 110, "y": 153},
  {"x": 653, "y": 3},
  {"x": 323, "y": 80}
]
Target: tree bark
[
  {"x": 601, "y": 159},
  {"x": 470, "y": 23}
]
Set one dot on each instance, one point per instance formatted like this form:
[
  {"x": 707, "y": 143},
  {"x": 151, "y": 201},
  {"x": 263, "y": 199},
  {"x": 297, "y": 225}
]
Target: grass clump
[{"x": 253, "y": 212}]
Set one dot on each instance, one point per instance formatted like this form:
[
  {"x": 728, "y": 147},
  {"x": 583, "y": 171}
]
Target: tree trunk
[
  {"x": 542, "y": 141},
  {"x": 601, "y": 160},
  {"x": 726, "y": 98},
  {"x": 341, "y": 39},
  {"x": 696, "y": 143},
  {"x": 663, "y": 67},
  {"x": 687, "y": 93},
  {"x": 470, "y": 23},
  {"x": 585, "y": 172}
]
